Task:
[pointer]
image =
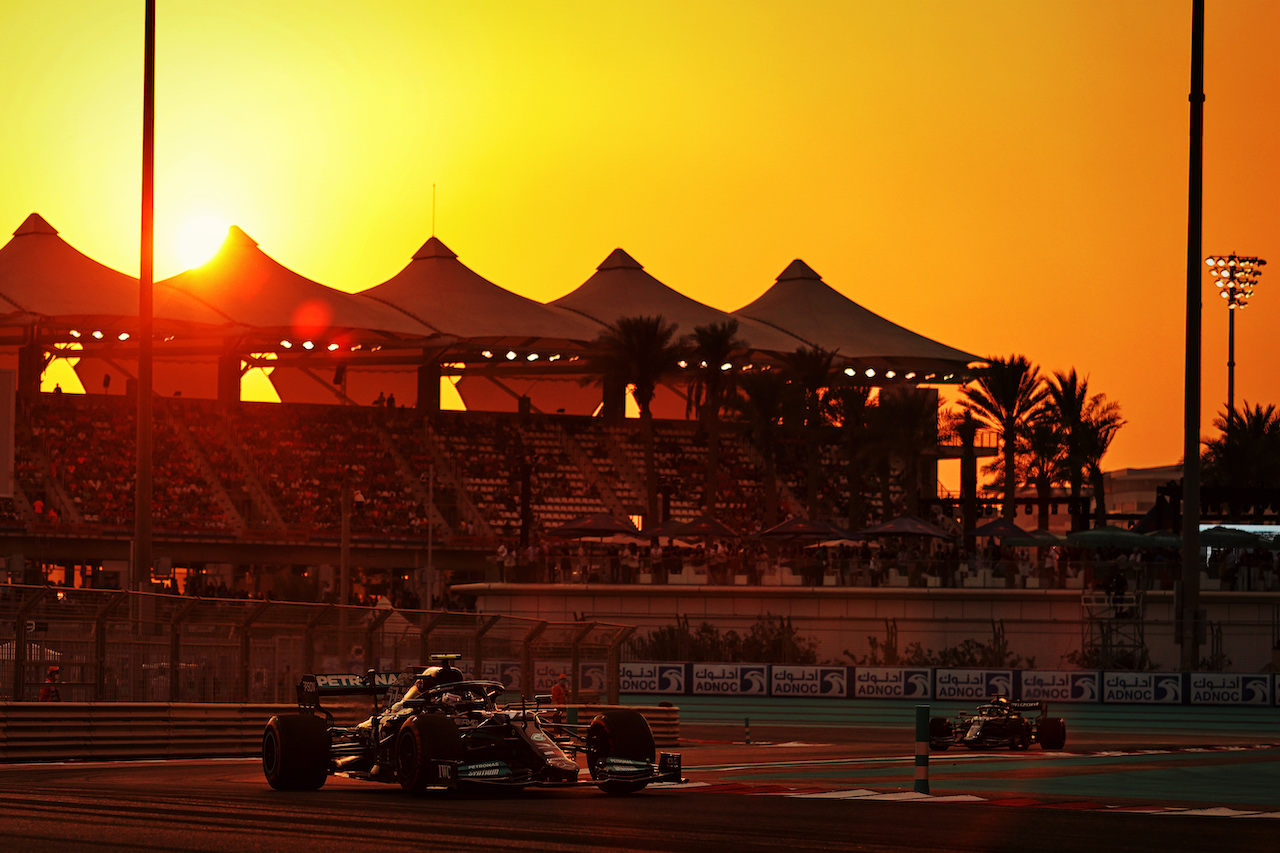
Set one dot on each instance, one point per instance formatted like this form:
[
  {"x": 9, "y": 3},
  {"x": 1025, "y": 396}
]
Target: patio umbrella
[
  {"x": 1108, "y": 537},
  {"x": 905, "y": 525},
  {"x": 1230, "y": 537},
  {"x": 1034, "y": 539},
  {"x": 1164, "y": 539},
  {"x": 599, "y": 525},
  {"x": 705, "y": 525},
  {"x": 665, "y": 529},
  {"x": 1000, "y": 528},
  {"x": 802, "y": 528}
]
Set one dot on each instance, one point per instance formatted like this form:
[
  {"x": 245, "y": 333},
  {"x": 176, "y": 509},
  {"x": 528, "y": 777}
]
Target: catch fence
[{"x": 118, "y": 646}]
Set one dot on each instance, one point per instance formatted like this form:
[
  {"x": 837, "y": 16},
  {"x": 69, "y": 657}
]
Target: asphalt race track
[{"x": 793, "y": 788}]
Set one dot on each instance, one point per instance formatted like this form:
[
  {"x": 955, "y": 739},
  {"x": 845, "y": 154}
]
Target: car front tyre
[{"x": 618, "y": 734}]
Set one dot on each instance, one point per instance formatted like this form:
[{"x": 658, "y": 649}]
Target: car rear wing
[
  {"x": 1029, "y": 707},
  {"x": 372, "y": 683}
]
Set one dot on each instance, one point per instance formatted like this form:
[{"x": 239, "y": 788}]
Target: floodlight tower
[{"x": 1236, "y": 277}]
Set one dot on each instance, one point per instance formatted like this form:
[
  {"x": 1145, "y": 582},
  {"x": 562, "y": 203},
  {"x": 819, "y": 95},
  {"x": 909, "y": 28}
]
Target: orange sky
[{"x": 1004, "y": 176}]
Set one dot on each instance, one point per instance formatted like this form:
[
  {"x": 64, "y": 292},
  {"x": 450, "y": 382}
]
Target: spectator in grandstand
[{"x": 49, "y": 692}]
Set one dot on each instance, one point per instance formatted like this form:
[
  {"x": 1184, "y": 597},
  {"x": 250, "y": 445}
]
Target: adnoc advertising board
[
  {"x": 972, "y": 684},
  {"x": 892, "y": 682},
  {"x": 1059, "y": 686},
  {"x": 668, "y": 678},
  {"x": 730, "y": 679},
  {"x": 813, "y": 681},
  {"x": 1220, "y": 688},
  {"x": 1144, "y": 688}
]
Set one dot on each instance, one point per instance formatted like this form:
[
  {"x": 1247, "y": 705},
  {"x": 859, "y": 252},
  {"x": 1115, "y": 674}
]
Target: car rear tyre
[
  {"x": 1053, "y": 733},
  {"x": 941, "y": 733},
  {"x": 295, "y": 752},
  {"x": 618, "y": 734},
  {"x": 423, "y": 741}
]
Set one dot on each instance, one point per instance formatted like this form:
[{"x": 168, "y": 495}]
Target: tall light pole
[
  {"x": 1236, "y": 277},
  {"x": 140, "y": 570}
]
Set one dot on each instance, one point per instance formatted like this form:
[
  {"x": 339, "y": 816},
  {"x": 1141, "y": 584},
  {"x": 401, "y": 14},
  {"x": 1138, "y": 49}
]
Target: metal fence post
[{"x": 922, "y": 749}]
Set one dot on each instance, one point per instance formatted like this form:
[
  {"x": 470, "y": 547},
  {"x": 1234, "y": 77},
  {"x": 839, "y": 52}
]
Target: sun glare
[{"x": 200, "y": 239}]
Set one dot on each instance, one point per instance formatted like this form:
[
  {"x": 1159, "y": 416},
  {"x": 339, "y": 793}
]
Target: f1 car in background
[
  {"x": 448, "y": 732},
  {"x": 1000, "y": 723}
]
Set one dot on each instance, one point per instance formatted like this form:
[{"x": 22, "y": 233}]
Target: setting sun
[{"x": 200, "y": 238}]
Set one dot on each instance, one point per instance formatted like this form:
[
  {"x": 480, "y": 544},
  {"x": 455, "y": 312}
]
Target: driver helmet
[{"x": 434, "y": 676}]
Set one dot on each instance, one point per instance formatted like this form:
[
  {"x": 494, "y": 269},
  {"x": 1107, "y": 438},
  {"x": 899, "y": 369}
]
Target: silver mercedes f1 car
[
  {"x": 1000, "y": 723},
  {"x": 447, "y": 732}
]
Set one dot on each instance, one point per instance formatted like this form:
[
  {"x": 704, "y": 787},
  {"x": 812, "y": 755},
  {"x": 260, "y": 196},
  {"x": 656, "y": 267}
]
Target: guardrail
[{"x": 79, "y": 731}]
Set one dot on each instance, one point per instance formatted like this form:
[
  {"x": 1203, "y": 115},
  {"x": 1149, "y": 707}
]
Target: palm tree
[
  {"x": 1004, "y": 397},
  {"x": 1044, "y": 466},
  {"x": 640, "y": 352},
  {"x": 853, "y": 413},
  {"x": 760, "y": 405},
  {"x": 808, "y": 370},
  {"x": 1086, "y": 423},
  {"x": 1101, "y": 423},
  {"x": 715, "y": 347},
  {"x": 1246, "y": 453},
  {"x": 909, "y": 423}
]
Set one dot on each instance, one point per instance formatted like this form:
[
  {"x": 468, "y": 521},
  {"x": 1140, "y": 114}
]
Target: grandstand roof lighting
[
  {"x": 75, "y": 333},
  {"x": 375, "y": 349},
  {"x": 97, "y": 335},
  {"x": 308, "y": 345},
  {"x": 891, "y": 374},
  {"x": 682, "y": 363},
  {"x": 287, "y": 344},
  {"x": 911, "y": 375},
  {"x": 948, "y": 377},
  {"x": 486, "y": 353},
  {"x": 124, "y": 336},
  {"x": 871, "y": 371},
  {"x": 747, "y": 366},
  {"x": 533, "y": 356},
  {"x": 849, "y": 371},
  {"x": 511, "y": 355},
  {"x": 555, "y": 357},
  {"x": 332, "y": 347},
  {"x": 726, "y": 366}
]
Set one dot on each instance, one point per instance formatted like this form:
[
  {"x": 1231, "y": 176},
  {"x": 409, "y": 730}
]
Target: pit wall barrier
[
  {"x": 934, "y": 683},
  {"x": 85, "y": 731}
]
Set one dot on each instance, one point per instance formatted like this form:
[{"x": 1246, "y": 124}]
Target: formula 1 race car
[
  {"x": 1000, "y": 723},
  {"x": 447, "y": 732}
]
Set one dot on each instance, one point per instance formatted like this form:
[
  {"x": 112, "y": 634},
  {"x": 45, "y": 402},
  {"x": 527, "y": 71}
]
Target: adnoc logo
[
  {"x": 1084, "y": 686},
  {"x": 652, "y": 678},
  {"x": 671, "y": 678},
  {"x": 1059, "y": 686},
  {"x": 835, "y": 683},
  {"x": 753, "y": 681},
  {"x": 728, "y": 679},
  {"x": 808, "y": 681},
  {"x": 1216, "y": 688},
  {"x": 1169, "y": 689},
  {"x": 1144, "y": 687},
  {"x": 892, "y": 682}
]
